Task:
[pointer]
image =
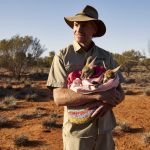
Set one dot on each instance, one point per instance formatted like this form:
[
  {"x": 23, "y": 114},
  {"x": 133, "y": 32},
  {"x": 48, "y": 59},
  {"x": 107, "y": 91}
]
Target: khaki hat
[{"x": 88, "y": 14}]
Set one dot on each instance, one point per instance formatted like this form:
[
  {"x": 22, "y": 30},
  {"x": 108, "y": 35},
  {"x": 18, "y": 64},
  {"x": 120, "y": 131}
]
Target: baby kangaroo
[
  {"x": 91, "y": 70},
  {"x": 110, "y": 74},
  {"x": 88, "y": 70}
]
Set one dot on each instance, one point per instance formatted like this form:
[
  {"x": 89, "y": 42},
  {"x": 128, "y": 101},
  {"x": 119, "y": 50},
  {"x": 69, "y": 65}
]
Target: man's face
[{"x": 83, "y": 32}]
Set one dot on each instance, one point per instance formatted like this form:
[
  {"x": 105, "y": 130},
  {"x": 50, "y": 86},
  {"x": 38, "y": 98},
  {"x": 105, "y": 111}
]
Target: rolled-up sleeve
[{"x": 57, "y": 75}]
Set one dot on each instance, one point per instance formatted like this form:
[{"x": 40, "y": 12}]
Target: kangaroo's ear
[
  {"x": 116, "y": 69},
  {"x": 88, "y": 60},
  {"x": 92, "y": 63}
]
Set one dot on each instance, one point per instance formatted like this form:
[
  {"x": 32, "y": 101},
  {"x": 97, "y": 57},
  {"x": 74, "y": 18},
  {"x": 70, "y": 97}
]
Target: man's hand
[
  {"x": 101, "y": 110},
  {"x": 113, "y": 96},
  {"x": 110, "y": 96}
]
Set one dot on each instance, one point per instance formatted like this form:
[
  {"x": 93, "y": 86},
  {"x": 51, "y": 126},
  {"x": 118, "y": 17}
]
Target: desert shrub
[
  {"x": 2, "y": 108},
  {"x": 21, "y": 140},
  {"x": 146, "y": 63},
  {"x": 129, "y": 81},
  {"x": 22, "y": 80},
  {"x": 30, "y": 94},
  {"x": 51, "y": 122},
  {"x": 26, "y": 116},
  {"x": 146, "y": 137},
  {"x": 32, "y": 97},
  {"x": 2, "y": 91},
  {"x": 20, "y": 95},
  {"x": 125, "y": 127},
  {"x": 129, "y": 92},
  {"x": 32, "y": 115},
  {"x": 23, "y": 92},
  {"x": 9, "y": 99},
  {"x": 140, "y": 78},
  {"x": 8, "y": 103},
  {"x": 128, "y": 66},
  {"x": 27, "y": 84},
  {"x": 147, "y": 91},
  {"x": 9, "y": 86},
  {"x": 56, "y": 116},
  {"x": 42, "y": 93},
  {"x": 40, "y": 113},
  {"x": 46, "y": 61},
  {"x": 6, "y": 123},
  {"x": 39, "y": 76},
  {"x": 48, "y": 124},
  {"x": 40, "y": 108}
]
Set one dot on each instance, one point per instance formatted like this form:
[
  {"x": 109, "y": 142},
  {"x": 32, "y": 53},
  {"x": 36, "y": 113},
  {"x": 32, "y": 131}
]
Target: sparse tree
[
  {"x": 146, "y": 63},
  {"x": 18, "y": 53},
  {"x": 128, "y": 60},
  {"x": 47, "y": 60},
  {"x": 132, "y": 55}
]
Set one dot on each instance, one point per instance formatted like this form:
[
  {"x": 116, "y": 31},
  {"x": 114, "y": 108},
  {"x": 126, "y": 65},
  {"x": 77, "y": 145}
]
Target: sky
[{"x": 127, "y": 22}]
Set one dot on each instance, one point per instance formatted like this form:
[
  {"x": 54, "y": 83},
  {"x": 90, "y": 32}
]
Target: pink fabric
[
  {"x": 98, "y": 71},
  {"x": 86, "y": 86},
  {"x": 76, "y": 74},
  {"x": 85, "y": 113},
  {"x": 72, "y": 76}
]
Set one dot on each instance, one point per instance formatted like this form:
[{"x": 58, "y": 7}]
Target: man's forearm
[{"x": 67, "y": 97}]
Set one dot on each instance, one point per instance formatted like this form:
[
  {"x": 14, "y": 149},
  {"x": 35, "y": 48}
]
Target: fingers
[
  {"x": 112, "y": 97},
  {"x": 101, "y": 110},
  {"x": 104, "y": 110},
  {"x": 97, "y": 111}
]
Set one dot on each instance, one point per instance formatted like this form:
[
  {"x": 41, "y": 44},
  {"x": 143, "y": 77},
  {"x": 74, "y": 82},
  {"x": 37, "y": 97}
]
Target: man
[{"x": 96, "y": 134}]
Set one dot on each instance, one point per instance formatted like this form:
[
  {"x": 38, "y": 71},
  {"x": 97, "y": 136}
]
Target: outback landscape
[
  {"x": 29, "y": 119},
  {"x": 34, "y": 32}
]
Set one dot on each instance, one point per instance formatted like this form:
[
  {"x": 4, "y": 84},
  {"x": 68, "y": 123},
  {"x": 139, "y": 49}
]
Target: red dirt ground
[{"x": 134, "y": 110}]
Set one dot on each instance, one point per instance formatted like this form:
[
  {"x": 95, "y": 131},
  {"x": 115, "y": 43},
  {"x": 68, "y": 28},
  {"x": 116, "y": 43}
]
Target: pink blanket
[
  {"x": 87, "y": 86},
  {"x": 84, "y": 113}
]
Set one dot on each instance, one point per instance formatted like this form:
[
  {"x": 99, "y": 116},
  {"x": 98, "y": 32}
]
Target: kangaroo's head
[
  {"x": 110, "y": 74},
  {"x": 88, "y": 69}
]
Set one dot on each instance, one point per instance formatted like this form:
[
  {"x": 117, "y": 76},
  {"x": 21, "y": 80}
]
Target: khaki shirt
[{"x": 73, "y": 58}]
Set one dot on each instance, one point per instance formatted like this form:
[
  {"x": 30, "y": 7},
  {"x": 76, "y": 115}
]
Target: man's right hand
[{"x": 110, "y": 97}]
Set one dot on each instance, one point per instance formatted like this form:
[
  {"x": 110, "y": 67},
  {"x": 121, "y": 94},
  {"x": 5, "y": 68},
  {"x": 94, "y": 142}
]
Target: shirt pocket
[{"x": 80, "y": 130}]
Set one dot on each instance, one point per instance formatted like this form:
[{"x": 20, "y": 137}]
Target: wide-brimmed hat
[{"x": 89, "y": 13}]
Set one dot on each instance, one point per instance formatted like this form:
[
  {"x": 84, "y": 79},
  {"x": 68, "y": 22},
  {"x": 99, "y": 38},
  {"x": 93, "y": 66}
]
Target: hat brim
[{"x": 101, "y": 28}]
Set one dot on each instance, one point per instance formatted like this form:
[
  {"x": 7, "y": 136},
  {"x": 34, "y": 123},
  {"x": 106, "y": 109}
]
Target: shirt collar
[{"x": 77, "y": 47}]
